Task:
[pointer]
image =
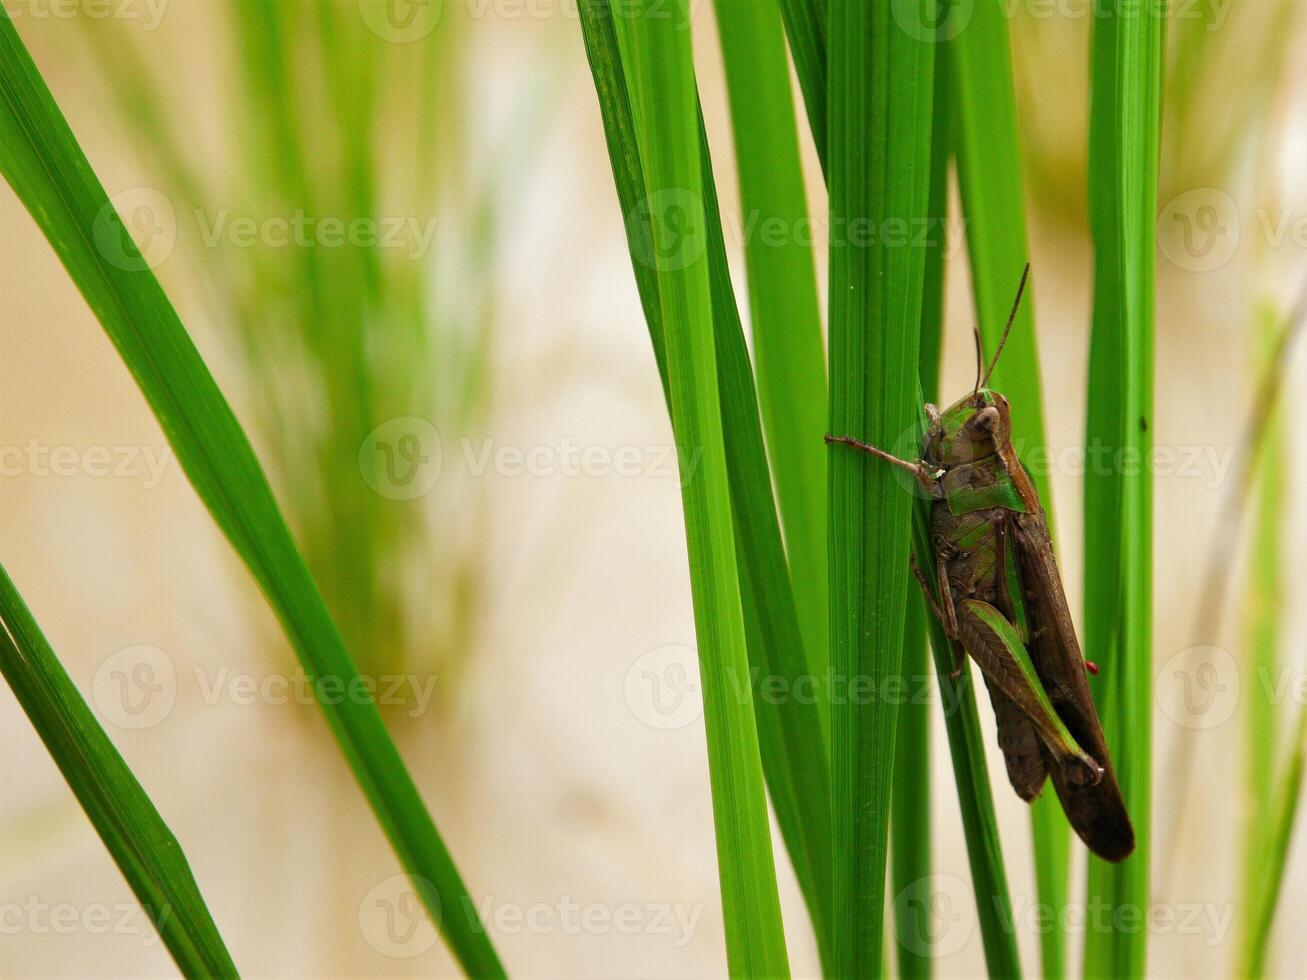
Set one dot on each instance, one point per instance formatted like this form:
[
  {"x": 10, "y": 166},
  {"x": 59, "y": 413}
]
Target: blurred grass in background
[
  {"x": 362, "y": 356},
  {"x": 349, "y": 357}
]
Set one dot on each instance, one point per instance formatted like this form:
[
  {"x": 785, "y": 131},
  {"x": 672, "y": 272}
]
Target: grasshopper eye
[{"x": 986, "y": 418}]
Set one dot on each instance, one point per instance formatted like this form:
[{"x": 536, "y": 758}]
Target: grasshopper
[{"x": 1001, "y": 600}]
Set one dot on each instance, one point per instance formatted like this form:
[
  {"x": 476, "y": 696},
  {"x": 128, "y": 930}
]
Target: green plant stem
[
  {"x": 910, "y": 830},
  {"x": 971, "y": 776},
  {"x": 1125, "y": 123},
  {"x": 140, "y": 843},
  {"x": 805, "y": 28},
  {"x": 657, "y": 58},
  {"x": 794, "y": 752},
  {"x": 1273, "y": 860},
  {"x": 42, "y": 162},
  {"x": 881, "y": 86},
  {"x": 1264, "y": 600},
  {"x": 993, "y": 203},
  {"x": 782, "y": 299}
]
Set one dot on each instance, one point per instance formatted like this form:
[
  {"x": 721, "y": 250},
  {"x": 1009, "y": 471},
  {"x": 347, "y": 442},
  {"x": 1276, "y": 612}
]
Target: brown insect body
[
  {"x": 1000, "y": 599},
  {"x": 973, "y": 548}
]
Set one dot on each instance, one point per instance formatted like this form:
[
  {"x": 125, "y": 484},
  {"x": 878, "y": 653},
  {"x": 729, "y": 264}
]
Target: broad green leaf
[
  {"x": 1124, "y": 135},
  {"x": 137, "y": 838},
  {"x": 881, "y": 87},
  {"x": 657, "y": 60},
  {"x": 42, "y": 162}
]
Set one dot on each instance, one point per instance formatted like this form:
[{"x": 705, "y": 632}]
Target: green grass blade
[
  {"x": 792, "y": 735},
  {"x": 971, "y": 776},
  {"x": 805, "y": 27},
  {"x": 137, "y": 838},
  {"x": 1264, "y": 599},
  {"x": 1274, "y": 858},
  {"x": 993, "y": 203},
  {"x": 42, "y": 162},
  {"x": 910, "y": 802},
  {"x": 794, "y": 753},
  {"x": 658, "y": 61},
  {"x": 1125, "y": 122},
  {"x": 910, "y": 831},
  {"x": 782, "y": 299},
  {"x": 880, "y": 112}
]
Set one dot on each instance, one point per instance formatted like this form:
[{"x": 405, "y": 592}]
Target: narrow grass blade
[
  {"x": 794, "y": 753},
  {"x": 910, "y": 830},
  {"x": 42, "y": 162},
  {"x": 1274, "y": 858},
  {"x": 137, "y": 838},
  {"x": 881, "y": 87},
  {"x": 805, "y": 27},
  {"x": 1257, "y": 453},
  {"x": 971, "y": 776},
  {"x": 1264, "y": 598},
  {"x": 993, "y": 204},
  {"x": 782, "y": 299},
  {"x": 910, "y": 803},
  {"x": 1125, "y": 123},
  {"x": 658, "y": 61}
]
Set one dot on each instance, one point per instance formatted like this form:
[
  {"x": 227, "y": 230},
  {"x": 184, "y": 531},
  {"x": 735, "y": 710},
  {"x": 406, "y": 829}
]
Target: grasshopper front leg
[
  {"x": 944, "y": 610},
  {"x": 928, "y": 480}
]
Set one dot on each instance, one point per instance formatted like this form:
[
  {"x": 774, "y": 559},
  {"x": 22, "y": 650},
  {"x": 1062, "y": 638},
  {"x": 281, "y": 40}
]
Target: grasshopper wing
[{"x": 1097, "y": 812}]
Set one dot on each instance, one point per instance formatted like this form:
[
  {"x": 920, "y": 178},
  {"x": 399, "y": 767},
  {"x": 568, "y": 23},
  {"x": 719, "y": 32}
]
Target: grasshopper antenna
[
  {"x": 1016, "y": 305},
  {"x": 980, "y": 356}
]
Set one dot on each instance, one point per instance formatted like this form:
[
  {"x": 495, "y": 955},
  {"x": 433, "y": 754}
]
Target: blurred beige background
[{"x": 576, "y": 807}]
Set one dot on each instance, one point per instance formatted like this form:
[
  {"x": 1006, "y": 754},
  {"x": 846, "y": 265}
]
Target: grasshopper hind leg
[
  {"x": 994, "y": 644},
  {"x": 1022, "y": 752}
]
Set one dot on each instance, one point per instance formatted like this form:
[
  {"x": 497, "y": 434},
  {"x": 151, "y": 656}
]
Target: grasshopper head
[{"x": 971, "y": 428}]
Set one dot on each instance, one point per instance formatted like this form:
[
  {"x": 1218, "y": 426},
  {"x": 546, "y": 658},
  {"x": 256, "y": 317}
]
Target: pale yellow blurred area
[{"x": 576, "y": 809}]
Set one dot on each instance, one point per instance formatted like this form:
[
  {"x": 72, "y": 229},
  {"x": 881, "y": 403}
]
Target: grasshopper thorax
[{"x": 971, "y": 429}]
